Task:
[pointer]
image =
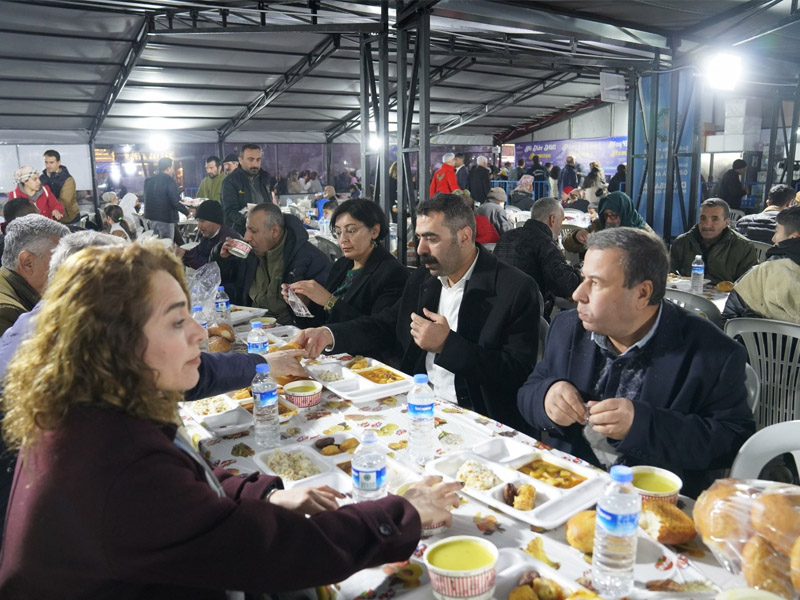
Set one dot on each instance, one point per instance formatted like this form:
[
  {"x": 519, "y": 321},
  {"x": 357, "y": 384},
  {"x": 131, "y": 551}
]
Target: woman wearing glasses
[{"x": 365, "y": 280}]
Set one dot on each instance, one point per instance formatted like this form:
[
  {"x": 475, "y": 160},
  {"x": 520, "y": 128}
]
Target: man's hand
[
  {"x": 57, "y": 214},
  {"x": 284, "y": 363},
  {"x": 564, "y": 405},
  {"x": 314, "y": 340},
  {"x": 582, "y": 236},
  {"x": 179, "y": 252},
  {"x": 307, "y": 500},
  {"x": 612, "y": 417},
  {"x": 225, "y": 250},
  {"x": 433, "y": 503},
  {"x": 429, "y": 333}
]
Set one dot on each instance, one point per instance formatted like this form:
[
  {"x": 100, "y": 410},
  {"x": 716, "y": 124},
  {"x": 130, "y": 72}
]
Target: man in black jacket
[
  {"x": 248, "y": 184},
  {"x": 539, "y": 173},
  {"x": 760, "y": 227},
  {"x": 730, "y": 187},
  {"x": 480, "y": 181},
  {"x": 281, "y": 254},
  {"x": 162, "y": 201},
  {"x": 465, "y": 318},
  {"x": 533, "y": 249},
  {"x": 462, "y": 171}
]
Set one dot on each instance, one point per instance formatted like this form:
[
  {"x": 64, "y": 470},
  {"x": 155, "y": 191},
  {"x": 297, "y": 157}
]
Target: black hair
[
  {"x": 457, "y": 214},
  {"x": 214, "y": 159},
  {"x": 789, "y": 218},
  {"x": 164, "y": 164},
  {"x": 365, "y": 211},
  {"x": 460, "y": 155},
  {"x": 645, "y": 256},
  {"x": 249, "y": 147},
  {"x": 18, "y": 207},
  {"x": 114, "y": 212},
  {"x": 53, "y": 154},
  {"x": 781, "y": 195},
  {"x": 331, "y": 204}
]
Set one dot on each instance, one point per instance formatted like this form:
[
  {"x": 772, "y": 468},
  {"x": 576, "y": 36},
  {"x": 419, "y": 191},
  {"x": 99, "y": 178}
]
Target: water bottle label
[
  {"x": 618, "y": 525},
  {"x": 257, "y": 347},
  {"x": 222, "y": 305},
  {"x": 369, "y": 480},
  {"x": 420, "y": 410},
  {"x": 263, "y": 399},
  {"x": 698, "y": 269}
]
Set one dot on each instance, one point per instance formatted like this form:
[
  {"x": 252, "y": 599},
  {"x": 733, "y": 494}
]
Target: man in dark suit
[
  {"x": 630, "y": 378},
  {"x": 467, "y": 319},
  {"x": 162, "y": 201},
  {"x": 462, "y": 171}
]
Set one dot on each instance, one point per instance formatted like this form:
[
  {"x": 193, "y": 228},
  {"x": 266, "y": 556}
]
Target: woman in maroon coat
[{"x": 109, "y": 502}]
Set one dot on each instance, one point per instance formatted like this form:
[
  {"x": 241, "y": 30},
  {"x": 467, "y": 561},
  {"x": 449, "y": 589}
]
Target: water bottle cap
[
  {"x": 370, "y": 436},
  {"x": 255, "y": 325},
  {"x": 621, "y": 473},
  {"x": 221, "y": 288},
  {"x": 262, "y": 368},
  {"x": 421, "y": 378}
]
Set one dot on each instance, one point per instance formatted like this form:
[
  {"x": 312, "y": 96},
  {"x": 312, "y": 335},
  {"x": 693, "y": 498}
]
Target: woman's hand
[
  {"x": 307, "y": 500},
  {"x": 434, "y": 503},
  {"x": 57, "y": 214},
  {"x": 312, "y": 291},
  {"x": 582, "y": 236},
  {"x": 284, "y": 363}
]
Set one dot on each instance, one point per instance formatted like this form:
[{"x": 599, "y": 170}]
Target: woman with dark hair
[
  {"x": 366, "y": 279},
  {"x": 116, "y": 223},
  {"x": 110, "y": 499},
  {"x": 618, "y": 179}
]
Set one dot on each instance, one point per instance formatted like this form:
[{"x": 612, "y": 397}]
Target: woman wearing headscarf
[
  {"x": 522, "y": 196},
  {"x": 128, "y": 206},
  {"x": 30, "y": 186},
  {"x": 614, "y": 210},
  {"x": 111, "y": 500}
]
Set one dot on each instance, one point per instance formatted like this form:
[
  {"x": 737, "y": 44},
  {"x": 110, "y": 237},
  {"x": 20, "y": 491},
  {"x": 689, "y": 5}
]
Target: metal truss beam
[
  {"x": 292, "y": 76},
  {"x": 121, "y": 78},
  {"x": 551, "y": 119},
  {"x": 518, "y": 95},
  {"x": 793, "y": 18},
  {"x": 731, "y": 13},
  {"x": 322, "y": 28}
]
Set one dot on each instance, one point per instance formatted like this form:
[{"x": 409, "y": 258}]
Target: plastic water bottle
[
  {"x": 698, "y": 274},
  {"x": 199, "y": 315},
  {"x": 393, "y": 238},
  {"x": 222, "y": 304},
  {"x": 257, "y": 341},
  {"x": 265, "y": 408},
  {"x": 421, "y": 435},
  {"x": 369, "y": 469},
  {"x": 615, "y": 530}
]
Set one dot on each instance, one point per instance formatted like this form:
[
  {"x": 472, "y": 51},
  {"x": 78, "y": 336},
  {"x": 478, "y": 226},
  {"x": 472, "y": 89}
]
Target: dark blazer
[
  {"x": 162, "y": 201},
  {"x": 237, "y": 194},
  {"x": 301, "y": 261},
  {"x": 479, "y": 183},
  {"x": 200, "y": 254},
  {"x": 692, "y": 415},
  {"x": 378, "y": 286},
  {"x": 131, "y": 516},
  {"x": 493, "y": 350},
  {"x": 462, "y": 177}
]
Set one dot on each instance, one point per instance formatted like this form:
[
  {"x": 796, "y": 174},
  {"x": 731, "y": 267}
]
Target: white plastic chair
[
  {"x": 697, "y": 304},
  {"x": 773, "y": 350},
  {"x": 753, "y": 386},
  {"x": 329, "y": 248},
  {"x": 761, "y": 250},
  {"x": 735, "y": 216},
  {"x": 763, "y": 446}
]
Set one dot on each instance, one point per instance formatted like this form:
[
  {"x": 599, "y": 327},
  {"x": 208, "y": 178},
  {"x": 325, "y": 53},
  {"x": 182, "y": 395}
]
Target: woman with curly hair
[{"x": 110, "y": 501}]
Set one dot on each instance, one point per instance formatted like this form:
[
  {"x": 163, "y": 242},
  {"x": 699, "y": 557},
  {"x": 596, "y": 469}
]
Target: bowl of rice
[
  {"x": 477, "y": 476},
  {"x": 291, "y": 464}
]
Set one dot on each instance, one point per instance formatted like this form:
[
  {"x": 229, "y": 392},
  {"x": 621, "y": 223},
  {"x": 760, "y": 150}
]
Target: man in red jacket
[{"x": 444, "y": 180}]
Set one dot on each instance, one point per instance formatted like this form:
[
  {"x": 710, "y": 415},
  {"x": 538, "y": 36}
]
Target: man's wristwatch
[{"x": 329, "y": 304}]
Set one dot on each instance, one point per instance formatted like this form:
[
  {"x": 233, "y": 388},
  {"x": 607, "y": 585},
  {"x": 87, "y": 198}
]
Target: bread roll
[
  {"x": 218, "y": 344},
  {"x": 766, "y": 569},
  {"x": 776, "y": 516},
  {"x": 725, "y": 286},
  {"x": 666, "y": 522},
  {"x": 580, "y": 531},
  {"x": 222, "y": 330},
  {"x": 721, "y": 516}
]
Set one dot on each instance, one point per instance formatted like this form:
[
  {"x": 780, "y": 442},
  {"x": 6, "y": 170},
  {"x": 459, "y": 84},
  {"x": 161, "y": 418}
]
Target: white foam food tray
[
  {"x": 242, "y": 314},
  {"x": 355, "y": 387},
  {"x": 552, "y": 506}
]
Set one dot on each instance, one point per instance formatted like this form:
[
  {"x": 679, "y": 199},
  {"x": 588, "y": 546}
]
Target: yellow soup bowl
[
  {"x": 654, "y": 483},
  {"x": 462, "y": 566}
]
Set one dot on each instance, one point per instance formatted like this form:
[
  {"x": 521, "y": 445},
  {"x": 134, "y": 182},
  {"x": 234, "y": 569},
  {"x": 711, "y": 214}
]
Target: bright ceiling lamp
[
  {"x": 723, "y": 71},
  {"x": 159, "y": 143},
  {"x": 375, "y": 143}
]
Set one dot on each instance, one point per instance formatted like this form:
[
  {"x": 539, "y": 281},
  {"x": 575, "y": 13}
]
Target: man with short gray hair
[
  {"x": 629, "y": 378},
  {"x": 29, "y": 242},
  {"x": 479, "y": 180},
  {"x": 444, "y": 180},
  {"x": 533, "y": 249}
]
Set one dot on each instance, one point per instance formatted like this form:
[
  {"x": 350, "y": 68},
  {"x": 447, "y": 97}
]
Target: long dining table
[{"x": 687, "y": 571}]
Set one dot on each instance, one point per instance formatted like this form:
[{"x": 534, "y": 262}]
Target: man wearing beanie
[
  {"x": 730, "y": 187},
  {"x": 212, "y": 230},
  {"x": 494, "y": 210}
]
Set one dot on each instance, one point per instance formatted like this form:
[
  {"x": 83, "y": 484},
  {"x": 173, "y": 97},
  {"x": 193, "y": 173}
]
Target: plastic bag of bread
[{"x": 753, "y": 526}]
